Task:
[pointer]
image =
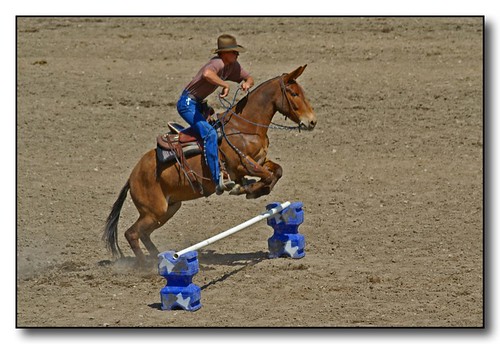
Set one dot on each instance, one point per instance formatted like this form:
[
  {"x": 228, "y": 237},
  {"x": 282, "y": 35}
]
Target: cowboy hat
[{"x": 227, "y": 43}]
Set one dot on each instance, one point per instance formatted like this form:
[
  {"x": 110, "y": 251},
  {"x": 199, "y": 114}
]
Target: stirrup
[{"x": 225, "y": 184}]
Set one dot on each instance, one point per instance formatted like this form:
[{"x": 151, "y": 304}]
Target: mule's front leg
[
  {"x": 269, "y": 174},
  {"x": 276, "y": 171}
]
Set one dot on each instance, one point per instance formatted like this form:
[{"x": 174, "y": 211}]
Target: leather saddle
[
  {"x": 180, "y": 142},
  {"x": 178, "y": 145}
]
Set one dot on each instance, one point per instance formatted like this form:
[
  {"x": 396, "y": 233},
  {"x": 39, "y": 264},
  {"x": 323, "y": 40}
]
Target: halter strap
[
  {"x": 272, "y": 125},
  {"x": 284, "y": 95}
]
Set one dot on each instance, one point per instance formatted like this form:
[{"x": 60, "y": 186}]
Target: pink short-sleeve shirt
[{"x": 201, "y": 88}]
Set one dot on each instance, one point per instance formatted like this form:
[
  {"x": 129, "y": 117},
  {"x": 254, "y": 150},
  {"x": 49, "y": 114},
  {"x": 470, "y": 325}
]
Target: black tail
[{"x": 110, "y": 235}]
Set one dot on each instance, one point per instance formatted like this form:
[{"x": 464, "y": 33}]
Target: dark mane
[{"x": 243, "y": 101}]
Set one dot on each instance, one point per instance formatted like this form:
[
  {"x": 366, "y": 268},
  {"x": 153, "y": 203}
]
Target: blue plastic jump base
[
  {"x": 180, "y": 292},
  {"x": 286, "y": 240}
]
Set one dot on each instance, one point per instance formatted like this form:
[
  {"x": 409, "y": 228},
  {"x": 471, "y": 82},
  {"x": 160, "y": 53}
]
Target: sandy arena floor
[{"x": 391, "y": 179}]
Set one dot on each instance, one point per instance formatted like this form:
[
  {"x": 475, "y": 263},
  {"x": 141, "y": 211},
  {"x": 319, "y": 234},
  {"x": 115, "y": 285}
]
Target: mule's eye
[{"x": 293, "y": 94}]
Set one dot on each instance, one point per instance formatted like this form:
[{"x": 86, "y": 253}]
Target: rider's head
[{"x": 228, "y": 49}]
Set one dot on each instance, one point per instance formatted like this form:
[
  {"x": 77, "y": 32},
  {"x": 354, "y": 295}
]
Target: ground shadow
[
  {"x": 156, "y": 305},
  {"x": 243, "y": 260},
  {"x": 210, "y": 257}
]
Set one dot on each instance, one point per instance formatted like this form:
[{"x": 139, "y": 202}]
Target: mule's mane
[
  {"x": 245, "y": 98},
  {"x": 263, "y": 83}
]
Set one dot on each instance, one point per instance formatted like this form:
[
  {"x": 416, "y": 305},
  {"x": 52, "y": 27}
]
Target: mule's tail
[{"x": 110, "y": 235}]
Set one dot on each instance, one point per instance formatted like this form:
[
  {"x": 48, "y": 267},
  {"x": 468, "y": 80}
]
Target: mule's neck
[{"x": 255, "y": 112}]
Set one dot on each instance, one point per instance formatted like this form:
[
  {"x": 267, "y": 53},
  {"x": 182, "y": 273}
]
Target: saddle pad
[{"x": 166, "y": 156}]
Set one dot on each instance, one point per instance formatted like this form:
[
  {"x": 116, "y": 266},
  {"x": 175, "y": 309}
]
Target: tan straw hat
[{"x": 228, "y": 43}]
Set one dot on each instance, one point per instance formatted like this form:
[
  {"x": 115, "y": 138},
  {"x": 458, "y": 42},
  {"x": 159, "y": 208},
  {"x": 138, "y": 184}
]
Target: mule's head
[{"x": 294, "y": 104}]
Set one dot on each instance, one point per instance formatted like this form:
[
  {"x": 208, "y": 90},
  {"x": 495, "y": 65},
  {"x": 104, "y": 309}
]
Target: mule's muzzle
[{"x": 307, "y": 125}]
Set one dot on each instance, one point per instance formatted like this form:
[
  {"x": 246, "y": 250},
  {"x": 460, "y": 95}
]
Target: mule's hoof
[
  {"x": 259, "y": 193},
  {"x": 237, "y": 190},
  {"x": 245, "y": 181}
]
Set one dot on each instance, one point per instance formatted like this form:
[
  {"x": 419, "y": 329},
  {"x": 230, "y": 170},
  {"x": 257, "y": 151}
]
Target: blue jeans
[{"x": 190, "y": 111}]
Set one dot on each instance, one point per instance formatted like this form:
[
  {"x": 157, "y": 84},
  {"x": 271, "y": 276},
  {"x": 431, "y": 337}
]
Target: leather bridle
[{"x": 291, "y": 106}]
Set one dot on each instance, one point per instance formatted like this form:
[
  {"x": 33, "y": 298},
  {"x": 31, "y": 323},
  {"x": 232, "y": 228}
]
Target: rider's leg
[
  {"x": 186, "y": 107},
  {"x": 190, "y": 111},
  {"x": 211, "y": 150}
]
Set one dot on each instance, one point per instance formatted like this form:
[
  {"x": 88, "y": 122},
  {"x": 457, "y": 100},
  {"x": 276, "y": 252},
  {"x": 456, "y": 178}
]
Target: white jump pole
[{"x": 233, "y": 230}]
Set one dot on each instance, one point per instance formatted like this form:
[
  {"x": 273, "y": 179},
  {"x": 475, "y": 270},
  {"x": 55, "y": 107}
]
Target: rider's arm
[{"x": 214, "y": 79}]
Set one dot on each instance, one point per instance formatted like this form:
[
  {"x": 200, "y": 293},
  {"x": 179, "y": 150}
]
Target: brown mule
[{"x": 158, "y": 190}]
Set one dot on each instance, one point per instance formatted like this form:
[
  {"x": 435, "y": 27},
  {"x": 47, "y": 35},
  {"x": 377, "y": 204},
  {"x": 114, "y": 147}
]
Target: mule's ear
[{"x": 295, "y": 74}]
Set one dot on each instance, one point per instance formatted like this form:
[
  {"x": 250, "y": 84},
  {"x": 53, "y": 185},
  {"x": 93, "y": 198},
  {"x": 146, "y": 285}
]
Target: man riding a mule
[
  {"x": 192, "y": 104},
  {"x": 159, "y": 187}
]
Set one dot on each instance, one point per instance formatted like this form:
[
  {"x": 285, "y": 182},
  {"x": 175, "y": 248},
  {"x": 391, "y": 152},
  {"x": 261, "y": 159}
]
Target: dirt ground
[{"x": 391, "y": 179}]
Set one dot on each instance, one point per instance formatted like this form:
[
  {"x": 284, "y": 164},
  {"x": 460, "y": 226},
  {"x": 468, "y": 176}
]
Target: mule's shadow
[
  {"x": 243, "y": 260},
  {"x": 210, "y": 257}
]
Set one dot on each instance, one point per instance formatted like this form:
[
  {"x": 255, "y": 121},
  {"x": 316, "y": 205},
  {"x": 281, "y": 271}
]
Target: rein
[{"x": 229, "y": 105}]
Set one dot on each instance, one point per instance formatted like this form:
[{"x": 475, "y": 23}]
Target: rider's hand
[
  {"x": 225, "y": 92},
  {"x": 245, "y": 86}
]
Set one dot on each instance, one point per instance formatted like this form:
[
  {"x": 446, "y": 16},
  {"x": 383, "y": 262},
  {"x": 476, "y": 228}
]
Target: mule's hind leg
[
  {"x": 134, "y": 233},
  {"x": 146, "y": 233}
]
